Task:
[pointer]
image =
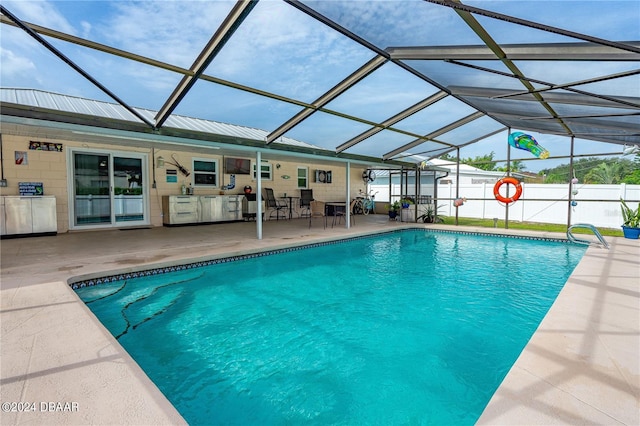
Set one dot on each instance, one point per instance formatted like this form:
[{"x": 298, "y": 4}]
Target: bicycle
[{"x": 365, "y": 203}]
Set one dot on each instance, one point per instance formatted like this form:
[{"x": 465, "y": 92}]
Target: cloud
[
  {"x": 174, "y": 32},
  {"x": 42, "y": 13},
  {"x": 86, "y": 29},
  {"x": 14, "y": 65},
  {"x": 282, "y": 50},
  {"x": 384, "y": 23}
]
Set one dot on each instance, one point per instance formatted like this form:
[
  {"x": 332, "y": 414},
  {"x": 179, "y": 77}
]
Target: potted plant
[
  {"x": 393, "y": 210},
  {"x": 631, "y": 220},
  {"x": 429, "y": 214},
  {"x": 406, "y": 202}
]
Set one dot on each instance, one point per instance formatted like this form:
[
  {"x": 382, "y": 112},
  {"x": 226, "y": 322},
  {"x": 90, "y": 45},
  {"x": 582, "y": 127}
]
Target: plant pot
[
  {"x": 392, "y": 214},
  {"x": 631, "y": 233}
]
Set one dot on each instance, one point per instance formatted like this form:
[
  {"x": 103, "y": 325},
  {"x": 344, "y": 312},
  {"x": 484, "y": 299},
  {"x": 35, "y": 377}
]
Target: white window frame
[
  {"x": 216, "y": 173},
  {"x": 305, "y": 177},
  {"x": 266, "y": 170}
]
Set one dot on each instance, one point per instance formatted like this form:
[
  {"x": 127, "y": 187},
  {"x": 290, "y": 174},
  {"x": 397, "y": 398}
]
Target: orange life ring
[{"x": 513, "y": 181}]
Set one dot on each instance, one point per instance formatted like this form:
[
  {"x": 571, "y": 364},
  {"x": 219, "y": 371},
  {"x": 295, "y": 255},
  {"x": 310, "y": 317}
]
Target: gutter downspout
[{"x": 3, "y": 181}]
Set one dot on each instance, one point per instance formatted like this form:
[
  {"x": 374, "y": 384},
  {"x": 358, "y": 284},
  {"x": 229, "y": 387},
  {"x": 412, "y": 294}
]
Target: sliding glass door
[{"x": 109, "y": 189}]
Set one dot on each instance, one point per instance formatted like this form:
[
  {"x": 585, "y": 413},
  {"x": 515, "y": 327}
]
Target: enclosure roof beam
[
  {"x": 72, "y": 64},
  {"x": 579, "y": 51},
  {"x": 393, "y": 120},
  {"x": 460, "y": 7},
  {"x": 328, "y": 96},
  {"x": 435, "y": 134},
  {"x": 231, "y": 23}
]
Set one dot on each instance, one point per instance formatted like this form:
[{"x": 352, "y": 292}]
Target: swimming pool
[{"x": 406, "y": 327}]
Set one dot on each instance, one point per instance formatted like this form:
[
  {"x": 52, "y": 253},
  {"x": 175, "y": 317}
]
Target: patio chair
[
  {"x": 306, "y": 197},
  {"x": 340, "y": 213},
  {"x": 317, "y": 209},
  {"x": 276, "y": 206}
]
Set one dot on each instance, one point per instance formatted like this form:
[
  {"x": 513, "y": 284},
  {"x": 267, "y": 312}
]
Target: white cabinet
[
  {"x": 220, "y": 208},
  {"x": 179, "y": 209},
  {"x": 210, "y": 208},
  {"x": 408, "y": 214},
  {"x": 43, "y": 215},
  {"x": 231, "y": 207},
  {"x": 187, "y": 209},
  {"x": 23, "y": 215},
  {"x": 3, "y": 227}
]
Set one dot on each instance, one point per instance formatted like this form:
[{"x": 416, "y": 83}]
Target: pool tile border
[{"x": 167, "y": 269}]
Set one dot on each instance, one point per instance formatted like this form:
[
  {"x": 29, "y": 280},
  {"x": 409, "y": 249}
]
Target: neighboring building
[
  {"x": 469, "y": 174},
  {"x": 387, "y": 185}
]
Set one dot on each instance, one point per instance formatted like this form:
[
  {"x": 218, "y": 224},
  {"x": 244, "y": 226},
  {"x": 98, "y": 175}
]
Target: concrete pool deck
[{"x": 60, "y": 366}]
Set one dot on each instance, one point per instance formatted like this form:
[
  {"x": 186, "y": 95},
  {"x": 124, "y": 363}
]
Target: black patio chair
[
  {"x": 306, "y": 197},
  {"x": 276, "y": 206}
]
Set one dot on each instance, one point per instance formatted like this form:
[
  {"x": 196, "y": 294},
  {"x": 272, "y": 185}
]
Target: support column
[
  {"x": 457, "y": 180},
  {"x": 570, "y": 185},
  {"x": 347, "y": 213},
  {"x": 259, "y": 212},
  {"x": 506, "y": 211}
]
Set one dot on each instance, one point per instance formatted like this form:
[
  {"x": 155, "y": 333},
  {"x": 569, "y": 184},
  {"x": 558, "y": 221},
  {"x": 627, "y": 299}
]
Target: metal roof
[
  {"x": 542, "y": 73},
  {"x": 94, "y": 108}
]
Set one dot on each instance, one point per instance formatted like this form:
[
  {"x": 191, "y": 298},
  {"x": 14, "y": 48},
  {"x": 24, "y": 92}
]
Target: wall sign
[
  {"x": 31, "y": 188},
  {"x": 172, "y": 175},
  {"x": 45, "y": 146}
]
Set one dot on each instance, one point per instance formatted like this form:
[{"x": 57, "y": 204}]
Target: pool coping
[
  {"x": 78, "y": 282},
  {"x": 44, "y": 359}
]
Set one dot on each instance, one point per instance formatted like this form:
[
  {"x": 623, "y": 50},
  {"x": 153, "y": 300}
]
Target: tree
[
  {"x": 587, "y": 170},
  {"x": 555, "y": 178},
  {"x": 516, "y": 166},
  {"x": 633, "y": 177},
  {"x": 483, "y": 162},
  {"x": 595, "y": 170},
  {"x": 605, "y": 173}
]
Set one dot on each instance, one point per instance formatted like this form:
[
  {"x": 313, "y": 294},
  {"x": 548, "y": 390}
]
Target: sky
[{"x": 282, "y": 50}]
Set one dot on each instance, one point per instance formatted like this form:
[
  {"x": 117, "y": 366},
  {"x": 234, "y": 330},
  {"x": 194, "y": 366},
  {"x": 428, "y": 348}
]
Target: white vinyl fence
[{"x": 598, "y": 205}]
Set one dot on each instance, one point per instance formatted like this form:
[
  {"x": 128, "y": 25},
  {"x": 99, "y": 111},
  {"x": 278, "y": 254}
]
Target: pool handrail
[{"x": 593, "y": 229}]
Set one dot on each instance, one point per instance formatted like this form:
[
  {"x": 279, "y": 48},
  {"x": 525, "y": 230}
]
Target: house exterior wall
[{"x": 52, "y": 169}]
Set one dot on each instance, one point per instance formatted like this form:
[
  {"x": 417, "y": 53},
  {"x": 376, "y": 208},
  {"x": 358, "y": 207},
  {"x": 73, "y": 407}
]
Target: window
[
  {"x": 265, "y": 171},
  {"x": 205, "y": 172},
  {"x": 303, "y": 177}
]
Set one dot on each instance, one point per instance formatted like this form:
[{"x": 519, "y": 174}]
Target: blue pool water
[{"x": 408, "y": 327}]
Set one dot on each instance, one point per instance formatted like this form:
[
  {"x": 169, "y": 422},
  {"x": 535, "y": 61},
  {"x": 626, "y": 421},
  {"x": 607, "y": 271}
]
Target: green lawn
[{"x": 534, "y": 226}]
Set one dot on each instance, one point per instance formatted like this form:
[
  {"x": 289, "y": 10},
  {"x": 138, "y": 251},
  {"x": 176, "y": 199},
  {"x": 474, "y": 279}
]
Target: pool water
[{"x": 406, "y": 327}]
